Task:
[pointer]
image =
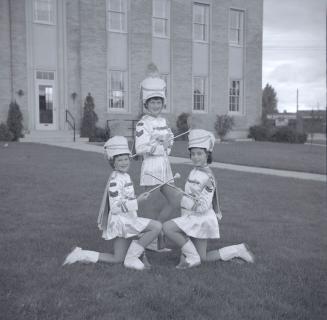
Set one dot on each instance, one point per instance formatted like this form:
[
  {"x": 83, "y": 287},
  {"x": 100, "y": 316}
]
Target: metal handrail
[
  {"x": 132, "y": 128},
  {"x": 69, "y": 121}
]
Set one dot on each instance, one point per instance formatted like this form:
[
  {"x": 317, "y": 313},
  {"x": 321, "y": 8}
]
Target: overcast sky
[{"x": 294, "y": 52}]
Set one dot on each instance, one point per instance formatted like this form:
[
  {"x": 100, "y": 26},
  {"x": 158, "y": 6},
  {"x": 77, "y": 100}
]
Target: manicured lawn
[
  {"x": 49, "y": 202},
  {"x": 284, "y": 156}
]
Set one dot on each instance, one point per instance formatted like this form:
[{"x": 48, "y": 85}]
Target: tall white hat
[
  {"x": 199, "y": 138},
  {"x": 115, "y": 146},
  {"x": 153, "y": 86}
]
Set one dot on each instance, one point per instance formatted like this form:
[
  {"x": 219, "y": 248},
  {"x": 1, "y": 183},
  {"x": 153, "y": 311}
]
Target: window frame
[
  {"x": 166, "y": 78},
  {"x": 165, "y": 19},
  {"x": 238, "y": 28},
  {"x": 238, "y": 98},
  {"x": 205, "y": 24},
  {"x": 204, "y": 94},
  {"x": 124, "y": 75},
  {"x": 51, "y": 5},
  {"x": 122, "y": 12}
]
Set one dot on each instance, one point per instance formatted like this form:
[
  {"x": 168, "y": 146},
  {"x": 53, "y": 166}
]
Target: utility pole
[
  {"x": 297, "y": 101},
  {"x": 297, "y": 110},
  {"x": 299, "y": 127}
]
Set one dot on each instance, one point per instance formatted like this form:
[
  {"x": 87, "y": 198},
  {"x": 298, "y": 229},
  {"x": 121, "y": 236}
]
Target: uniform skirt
[
  {"x": 125, "y": 225},
  {"x": 199, "y": 225},
  {"x": 158, "y": 166}
]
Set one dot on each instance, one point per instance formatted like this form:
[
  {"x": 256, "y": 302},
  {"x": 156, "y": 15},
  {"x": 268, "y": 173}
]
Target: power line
[{"x": 298, "y": 48}]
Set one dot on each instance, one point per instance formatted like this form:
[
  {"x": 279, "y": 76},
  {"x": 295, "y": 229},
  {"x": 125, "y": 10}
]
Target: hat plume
[{"x": 152, "y": 70}]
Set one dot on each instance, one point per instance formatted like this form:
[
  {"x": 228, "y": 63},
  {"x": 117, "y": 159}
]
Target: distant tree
[
  {"x": 5, "y": 133},
  {"x": 88, "y": 126},
  {"x": 15, "y": 121},
  {"x": 269, "y": 102},
  {"x": 223, "y": 124},
  {"x": 182, "y": 124}
]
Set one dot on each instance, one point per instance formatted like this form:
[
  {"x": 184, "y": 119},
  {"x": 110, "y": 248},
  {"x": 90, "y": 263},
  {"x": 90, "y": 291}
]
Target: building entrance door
[{"x": 46, "y": 106}]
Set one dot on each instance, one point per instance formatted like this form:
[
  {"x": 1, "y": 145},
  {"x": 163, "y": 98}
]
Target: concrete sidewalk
[
  {"x": 84, "y": 146},
  {"x": 259, "y": 170}
]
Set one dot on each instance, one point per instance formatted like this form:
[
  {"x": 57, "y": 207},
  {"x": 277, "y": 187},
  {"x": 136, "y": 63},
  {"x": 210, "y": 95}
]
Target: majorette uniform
[
  {"x": 117, "y": 216},
  {"x": 199, "y": 219},
  {"x": 155, "y": 159},
  {"x": 118, "y": 211},
  {"x": 123, "y": 220},
  {"x": 149, "y": 130}
]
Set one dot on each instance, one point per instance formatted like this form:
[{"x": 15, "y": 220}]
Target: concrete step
[{"x": 51, "y": 136}]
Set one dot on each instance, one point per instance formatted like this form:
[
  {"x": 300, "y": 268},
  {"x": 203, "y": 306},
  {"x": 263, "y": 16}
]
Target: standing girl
[
  {"x": 118, "y": 218},
  {"x": 198, "y": 221},
  {"x": 153, "y": 141}
]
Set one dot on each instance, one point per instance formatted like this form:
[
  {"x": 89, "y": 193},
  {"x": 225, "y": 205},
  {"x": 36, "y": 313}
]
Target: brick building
[{"x": 54, "y": 52}]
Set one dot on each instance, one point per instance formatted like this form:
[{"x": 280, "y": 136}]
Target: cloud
[
  {"x": 294, "y": 15},
  {"x": 294, "y": 51},
  {"x": 297, "y": 72}
]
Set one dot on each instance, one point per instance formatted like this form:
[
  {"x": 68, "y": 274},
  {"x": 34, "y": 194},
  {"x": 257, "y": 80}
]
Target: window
[
  {"x": 116, "y": 15},
  {"x": 234, "y": 95},
  {"x": 45, "y": 75},
  {"x": 199, "y": 93},
  {"x": 44, "y": 11},
  {"x": 236, "y": 27},
  {"x": 160, "y": 22},
  {"x": 200, "y": 22},
  {"x": 117, "y": 90}
]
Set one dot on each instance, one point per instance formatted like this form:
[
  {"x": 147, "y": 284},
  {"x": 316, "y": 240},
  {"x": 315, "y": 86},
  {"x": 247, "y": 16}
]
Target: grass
[
  {"x": 49, "y": 202},
  {"x": 284, "y": 156}
]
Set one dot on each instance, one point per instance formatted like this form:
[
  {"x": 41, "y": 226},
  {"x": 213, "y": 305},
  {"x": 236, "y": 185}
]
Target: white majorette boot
[
  {"x": 79, "y": 255},
  {"x": 236, "y": 251},
  {"x": 192, "y": 258},
  {"x": 132, "y": 256}
]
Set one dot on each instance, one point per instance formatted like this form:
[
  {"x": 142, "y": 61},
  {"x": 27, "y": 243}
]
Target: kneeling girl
[
  {"x": 199, "y": 220},
  {"x": 118, "y": 219}
]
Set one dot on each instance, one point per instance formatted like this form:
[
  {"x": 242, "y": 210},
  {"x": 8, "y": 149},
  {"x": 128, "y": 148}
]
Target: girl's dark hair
[
  {"x": 147, "y": 100},
  {"x": 209, "y": 154},
  {"x": 112, "y": 161},
  {"x": 209, "y": 157}
]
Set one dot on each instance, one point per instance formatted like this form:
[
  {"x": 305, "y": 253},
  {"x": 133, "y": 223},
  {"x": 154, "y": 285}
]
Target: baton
[
  {"x": 172, "y": 186},
  {"x": 176, "y": 176}
]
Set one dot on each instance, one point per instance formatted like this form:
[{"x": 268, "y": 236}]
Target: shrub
[
  {"x": 88, "y": 126},
  {"x": 287, "y": 134},
  {"x": 5, "y": 133},
  {"x": 224, "y": 123},
  {"x": 259, "y": 133},
  {"x": 100, "y": 135},
  {"x": 302, "y": 137},
  {"x": 15, "y": 121},
  {"x": 281, "y": 134},
  {"x": 182, "y": 124}
]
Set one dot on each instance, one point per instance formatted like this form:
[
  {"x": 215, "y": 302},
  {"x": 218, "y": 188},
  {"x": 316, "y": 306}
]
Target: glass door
[{"x": 45, "y": 105}]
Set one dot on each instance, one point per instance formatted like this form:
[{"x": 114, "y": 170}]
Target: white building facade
[{"x": 53, "y": 53}]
